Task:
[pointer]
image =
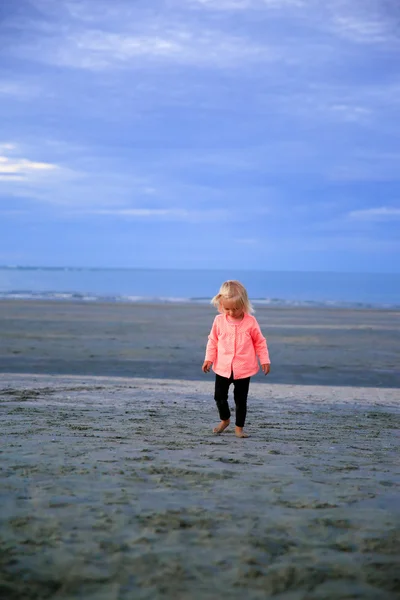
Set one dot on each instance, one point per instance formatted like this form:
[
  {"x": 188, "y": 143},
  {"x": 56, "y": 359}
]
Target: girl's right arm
[
  {"x": 212, "y": 344},
  {"x": 207, "y": 364}
]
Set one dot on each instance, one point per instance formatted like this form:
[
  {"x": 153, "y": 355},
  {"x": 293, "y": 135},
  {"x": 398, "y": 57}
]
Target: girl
[{"x": 233, "y": 345}]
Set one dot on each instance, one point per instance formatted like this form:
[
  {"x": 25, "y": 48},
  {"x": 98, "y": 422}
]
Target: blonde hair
[{"x": 233, "y": 290}]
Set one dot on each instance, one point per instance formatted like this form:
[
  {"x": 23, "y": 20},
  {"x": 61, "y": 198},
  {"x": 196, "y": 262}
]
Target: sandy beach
[
  {"x": 114, "y": 487},
  {"x": 308, "y": 345}
]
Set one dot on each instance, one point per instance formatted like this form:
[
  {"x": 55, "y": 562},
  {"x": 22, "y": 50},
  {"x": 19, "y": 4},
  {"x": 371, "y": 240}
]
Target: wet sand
[
  {"x": 115, "y": 488},
  {"x": 308, "y": 345}
]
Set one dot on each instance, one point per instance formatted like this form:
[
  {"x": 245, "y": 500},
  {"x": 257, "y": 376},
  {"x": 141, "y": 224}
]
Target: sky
[{"x": 259, "y": 134}]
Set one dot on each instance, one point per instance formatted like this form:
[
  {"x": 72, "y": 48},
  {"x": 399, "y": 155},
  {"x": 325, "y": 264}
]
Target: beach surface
[
  {"x": 116, "y": 488},
  {"x": 113, "y": 486},
  {"x": 321, "y": 346}
]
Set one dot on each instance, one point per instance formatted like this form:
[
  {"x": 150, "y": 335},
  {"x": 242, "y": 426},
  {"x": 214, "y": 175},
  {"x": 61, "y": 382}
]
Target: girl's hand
[
  {"x": 206, "y": 366},
  {"x": 266, "y": 369}
]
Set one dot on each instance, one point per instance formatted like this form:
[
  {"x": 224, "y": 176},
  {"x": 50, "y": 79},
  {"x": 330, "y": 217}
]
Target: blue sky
[{"x": 263, "y": 134}]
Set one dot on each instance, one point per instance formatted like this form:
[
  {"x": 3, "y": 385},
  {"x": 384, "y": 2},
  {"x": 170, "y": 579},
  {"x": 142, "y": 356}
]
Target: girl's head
[{"x": 232, "y": 299}]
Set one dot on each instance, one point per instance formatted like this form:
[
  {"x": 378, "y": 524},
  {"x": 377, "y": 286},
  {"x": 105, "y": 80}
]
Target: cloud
[
  {"x": 6, "y": 147},
  {"x": 40, "y": 181},
  {"x": 96, "y": 49},
  {"x": 16, "y": 89},
  {"x": 10, "y": 88},
  {"x": 124, "y": 36},
  {"x": 170, "y": 214},
  {"x": 351, "y": 113},
  {"x": 366, "y": 22},
  {"x": 363, "y": 22},
  {"x": 233, "y": 5},
  {"x": 18, "y": 169},
  {"x": 363, "y": 30},
  {"x": 381, "y": 213}
]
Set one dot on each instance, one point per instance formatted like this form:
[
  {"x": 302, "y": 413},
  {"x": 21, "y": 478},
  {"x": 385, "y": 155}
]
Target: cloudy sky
[{"x": 263, "y": 134}]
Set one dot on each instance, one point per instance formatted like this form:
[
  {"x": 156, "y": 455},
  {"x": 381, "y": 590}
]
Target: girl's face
[{"x": 231, "y": 308}]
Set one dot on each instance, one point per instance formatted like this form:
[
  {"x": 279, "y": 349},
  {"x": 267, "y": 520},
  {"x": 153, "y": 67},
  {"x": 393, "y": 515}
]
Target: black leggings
[{"x": 241, "y": 389}]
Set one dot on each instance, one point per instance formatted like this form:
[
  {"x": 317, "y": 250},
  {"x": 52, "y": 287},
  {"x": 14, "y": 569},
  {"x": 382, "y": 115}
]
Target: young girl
[{"x": 233, "y": 345}]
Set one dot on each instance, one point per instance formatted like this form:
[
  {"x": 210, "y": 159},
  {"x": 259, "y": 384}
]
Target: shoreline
[{"x": 258, "y": 303}]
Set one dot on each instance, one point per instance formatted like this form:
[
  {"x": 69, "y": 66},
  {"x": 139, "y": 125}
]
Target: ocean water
[{"x": 362, "y": 290}]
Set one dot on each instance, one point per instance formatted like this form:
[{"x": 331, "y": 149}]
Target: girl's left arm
[
  {"x": 260, "y": 345},
  {"x": 212, "y": 344}
]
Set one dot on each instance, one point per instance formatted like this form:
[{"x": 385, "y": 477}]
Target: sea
[{"x": 280, "y": 288}]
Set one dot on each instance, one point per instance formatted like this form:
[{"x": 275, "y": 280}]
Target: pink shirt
[{"x": 235, "y": 346}]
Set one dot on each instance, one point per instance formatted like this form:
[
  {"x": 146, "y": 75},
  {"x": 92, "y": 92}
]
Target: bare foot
[
  {"x": 240, "y": 433},
  {"x": 221, "y": 427}
]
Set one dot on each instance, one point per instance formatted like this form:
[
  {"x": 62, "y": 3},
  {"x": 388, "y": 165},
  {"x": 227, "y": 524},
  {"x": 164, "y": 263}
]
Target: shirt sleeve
[
  {"x": 212, "y": 344},
  {"x": 260, "y": 344}
]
